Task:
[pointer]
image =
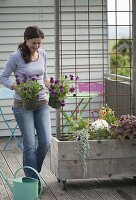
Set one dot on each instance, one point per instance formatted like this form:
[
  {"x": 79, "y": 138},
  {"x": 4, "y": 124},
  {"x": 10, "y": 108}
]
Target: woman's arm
[{"x": 8, "y": 69}]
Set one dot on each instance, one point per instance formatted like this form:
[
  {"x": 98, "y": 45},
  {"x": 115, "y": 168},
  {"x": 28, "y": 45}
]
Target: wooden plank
[
  {"x": 48, "y": 191},
  {"x": 6, "y": 170},
  {"x": 3, "y": 191},
  {"x": 86, "y": 189},
  {"x": 113, "y": 185},
  {"x": 52, "y": 183},
  {"x": 92, "y": 195},
  {"x": 95, "y": 168},
  {"x": 67, "y": 150},
  {"x": 127, "y": 188}
]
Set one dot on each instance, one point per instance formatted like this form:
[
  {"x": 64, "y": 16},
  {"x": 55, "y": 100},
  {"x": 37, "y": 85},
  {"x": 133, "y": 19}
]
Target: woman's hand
[
  {"x": 14, "y": 87},
  {"x": 47, "y": 84}
]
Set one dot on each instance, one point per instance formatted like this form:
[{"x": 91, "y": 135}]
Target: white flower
[{"x": 99, "y": 124}]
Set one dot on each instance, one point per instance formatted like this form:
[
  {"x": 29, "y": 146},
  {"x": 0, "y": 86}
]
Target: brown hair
[{"x": 30, "y": 32}]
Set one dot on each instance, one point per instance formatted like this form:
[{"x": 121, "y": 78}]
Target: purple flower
[
  {"x": 62, "y": 103},
  {"x": 71, "y": 77},
  {"x": 72, "y": 89},
  {"x": 17, "y": 81},
  {"x": 33, "y": 79},
  {"x": 51, "y": 80},
  {"x": 53, "y": 93},
  {"x": 66, "y": 76},
  {"x": 61, "y": 89},
  {"x": 56, "y": 81},
  {"x": 24, "y": 75},
  {"x": 24, "y": 80}
]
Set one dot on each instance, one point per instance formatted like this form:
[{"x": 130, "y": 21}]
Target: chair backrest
[
  {"x": 6, "y": 93},
  {"x": 6, "y": 114},
  {"x": 91, "y": 87}
]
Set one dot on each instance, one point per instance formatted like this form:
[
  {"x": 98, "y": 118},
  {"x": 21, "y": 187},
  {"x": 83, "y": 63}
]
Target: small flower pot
[
  {"x": 31, "y": 104},
  {"x": 54, "y": 103}
]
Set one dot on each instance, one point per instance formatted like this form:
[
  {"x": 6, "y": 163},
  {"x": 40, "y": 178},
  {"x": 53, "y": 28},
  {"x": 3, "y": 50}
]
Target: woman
[{"x": 30, "y": 60}]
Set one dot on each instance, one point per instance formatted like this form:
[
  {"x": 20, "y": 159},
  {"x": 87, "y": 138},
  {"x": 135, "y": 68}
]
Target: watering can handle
[{"x": 39, "y": 176}]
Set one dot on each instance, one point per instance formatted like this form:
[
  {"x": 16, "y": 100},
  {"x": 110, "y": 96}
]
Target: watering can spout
[{"x": 6, "y": 181}]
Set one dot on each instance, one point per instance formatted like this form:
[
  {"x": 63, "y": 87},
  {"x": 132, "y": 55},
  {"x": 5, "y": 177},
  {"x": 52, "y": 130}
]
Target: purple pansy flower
[
  {"x": 61, "y": 89},
  {"x": 24, "y": 80},
  {"x": 51, "y": 80},
  {"x": 56, "y": 81},
  {"x": 72, "y": 89},
  {"x": 53, "y": 93},
  {"x": 62, "y": 103},
  {"x": 33, "y": 79},
  {"x": 17, "y": 81},
  {"x": 71, "y": 77}
]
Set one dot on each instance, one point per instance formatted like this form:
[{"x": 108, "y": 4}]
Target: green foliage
[
  {"x": 107, "y": 114},
  {"x": 78, "y": 123},
  {"x": 100, "y": 134},
  {"x": 124, "y": 45},
  {"x": 120, "y": 58},
  {"x": 28, "y": 89}
]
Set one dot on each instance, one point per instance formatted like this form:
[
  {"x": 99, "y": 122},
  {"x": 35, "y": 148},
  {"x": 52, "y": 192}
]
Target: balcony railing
[{"x": 118, "y": 94}]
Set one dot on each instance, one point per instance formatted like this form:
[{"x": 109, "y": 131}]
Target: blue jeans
[{"x": 31, "y": 123}]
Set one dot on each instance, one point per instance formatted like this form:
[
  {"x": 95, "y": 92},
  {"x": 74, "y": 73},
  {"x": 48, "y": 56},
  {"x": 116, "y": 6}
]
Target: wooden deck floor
[{"x": 91, "y": 189}]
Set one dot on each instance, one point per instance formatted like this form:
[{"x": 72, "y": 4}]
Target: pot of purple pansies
[
  {"x": 60, "y": 89},
  {"x": 28, "y": 89}
]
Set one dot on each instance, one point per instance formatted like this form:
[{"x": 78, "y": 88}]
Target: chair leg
[
  {"x": 12, "y": 130},
  {"x": 7, "y": 142},
  {"x": 12, "y": 135}
]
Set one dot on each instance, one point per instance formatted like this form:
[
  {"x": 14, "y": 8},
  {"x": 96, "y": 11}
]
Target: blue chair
[{"x": 6, "y": 94}]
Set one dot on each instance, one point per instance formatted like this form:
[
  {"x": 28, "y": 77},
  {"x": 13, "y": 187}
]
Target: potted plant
[
  {"x": 104, "y": 153},
  {"x": 28, "y": 90},
  {"x": 59, "y": 89},
  {"x": 125, "y": 127}
]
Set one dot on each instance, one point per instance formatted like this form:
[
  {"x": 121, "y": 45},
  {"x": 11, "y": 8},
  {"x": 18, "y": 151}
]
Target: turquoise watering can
[{"x": 24, "y": 188}]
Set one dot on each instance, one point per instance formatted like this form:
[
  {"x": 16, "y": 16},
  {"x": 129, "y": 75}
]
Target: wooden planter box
[{"x": 105, "y": 158}]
